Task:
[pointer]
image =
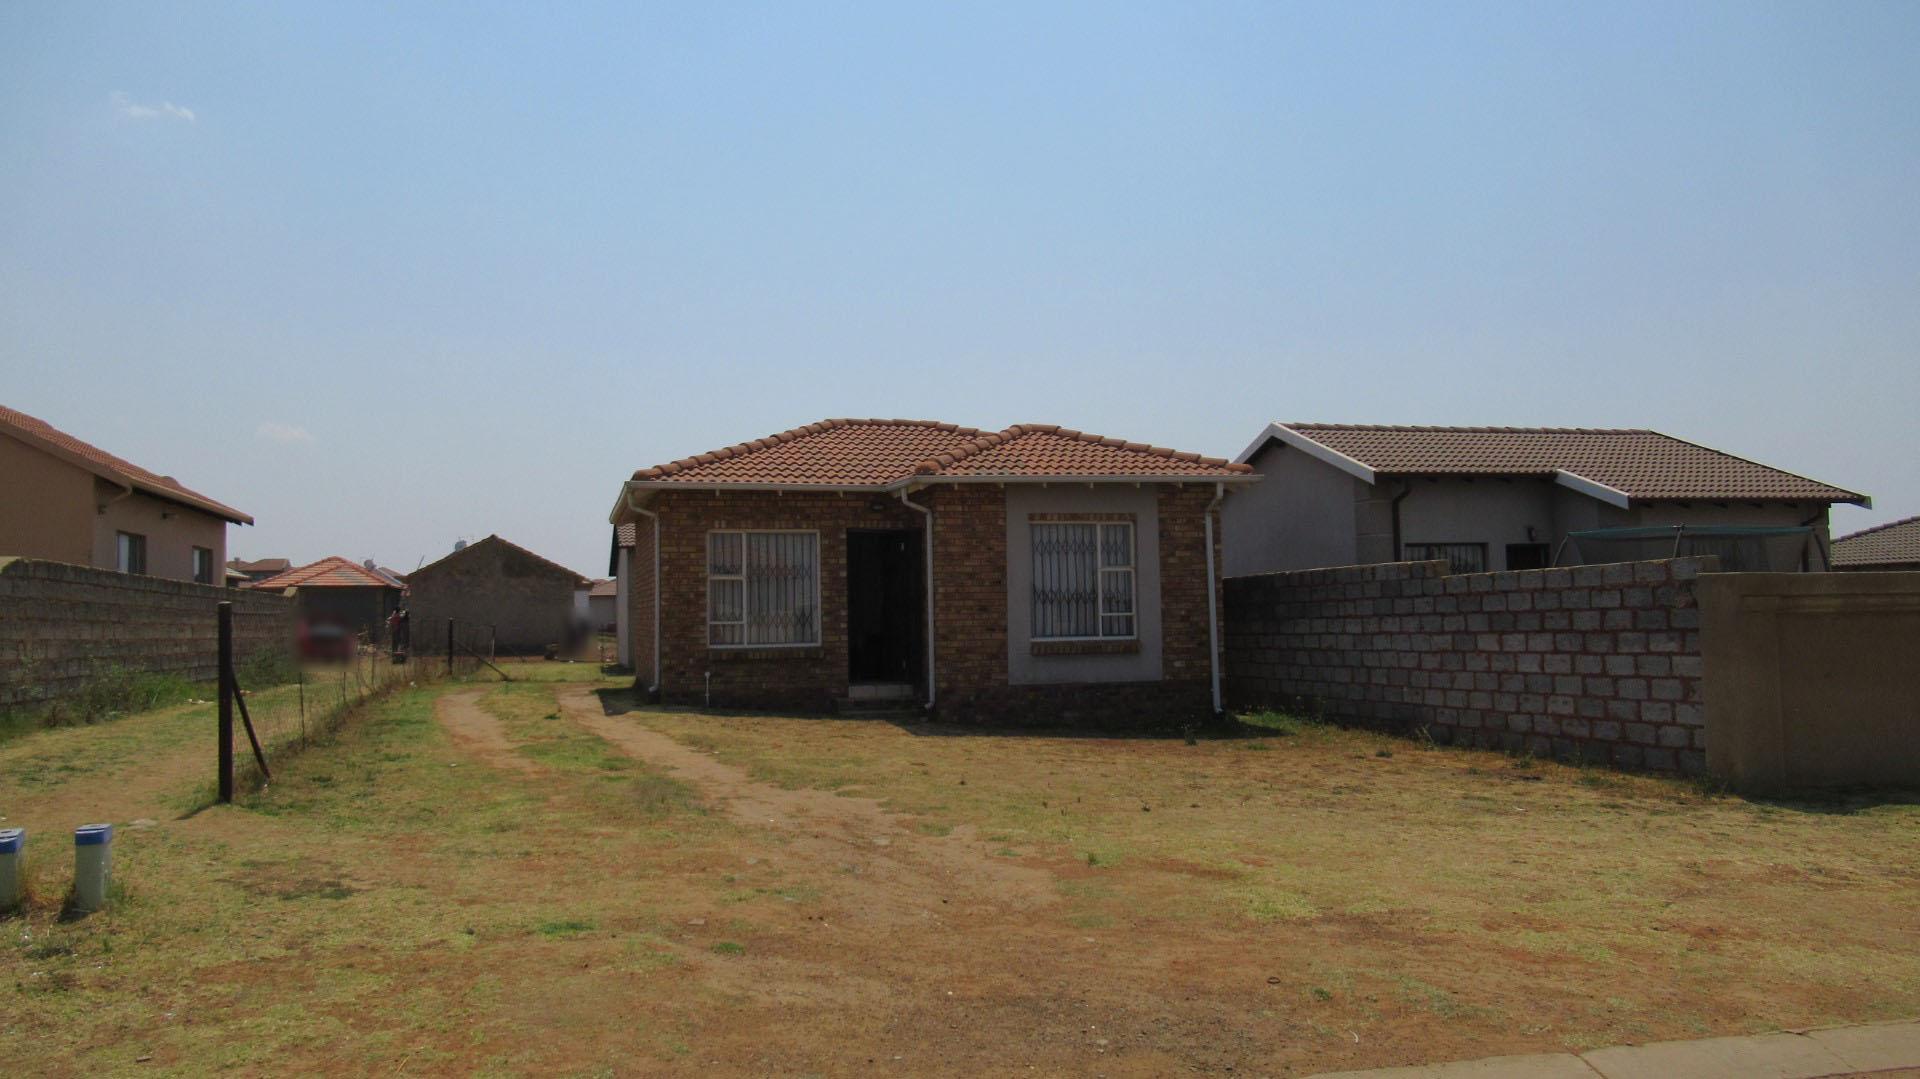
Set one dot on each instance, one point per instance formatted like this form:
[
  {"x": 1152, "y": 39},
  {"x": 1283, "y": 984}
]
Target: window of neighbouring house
[
  {"x": 132, "y": 553},
  {"x": 1459, "y": 557},
  {"x": 1083, "y": 580},
  {"x": 763, "y": 589},
  {"x": 203, "y": 565}
]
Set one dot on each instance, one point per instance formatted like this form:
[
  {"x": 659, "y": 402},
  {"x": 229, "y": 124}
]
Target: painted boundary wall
[
  {"x": 61, "y": 625},
  {"x": 1814, "y": 678},
  {"x": 1594, "y": 663}
]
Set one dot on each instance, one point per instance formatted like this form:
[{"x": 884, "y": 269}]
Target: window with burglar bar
[
  {"x": 1083, "y": 580},
  {"x": 763, "y": 589},
  {"x": 1460, "y": 557}
]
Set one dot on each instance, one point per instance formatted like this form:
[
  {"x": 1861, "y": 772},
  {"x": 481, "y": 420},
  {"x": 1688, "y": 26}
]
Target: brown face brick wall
[
  {"x": 807, "y": 679},
  {"x": 1599, "y": 663},
  {"x": 528, "y": 604},
  {"x": 640, "y": 596},
  {"x": 61, "y": 625},
  {"x": 970, "y": 583}
]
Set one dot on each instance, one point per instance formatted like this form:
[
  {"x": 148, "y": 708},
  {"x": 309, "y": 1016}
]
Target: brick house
[
  {"x": 337, "y": 591},
  {"x": 65, "y": 500},
  {"x": 1510, "y": 498},
  {"x": 1034, "y": 574},
  {"x": 526, "y": 600}
]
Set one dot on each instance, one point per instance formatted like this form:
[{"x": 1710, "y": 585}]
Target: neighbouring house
[
  {"x": 1034, "y": 574},
  {"x": 1891, "y": 546},
  {"x": 259, "y": 569},
  {"x": 66, "y": 500},
  {"x": 620, "y": 564},
  {"x": 1504, "y": 498},
  {"x": 395, "y": 577},
  {"x": 338, "y": 592},
  {"x": 525, "y": 601},
  {"x": 600, "y": 604}
]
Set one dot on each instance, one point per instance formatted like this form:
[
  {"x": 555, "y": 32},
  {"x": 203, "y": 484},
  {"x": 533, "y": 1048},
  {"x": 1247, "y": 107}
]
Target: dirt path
[
  {"x": 478, "y": 732},
  {"x": 909, "y": 876}
]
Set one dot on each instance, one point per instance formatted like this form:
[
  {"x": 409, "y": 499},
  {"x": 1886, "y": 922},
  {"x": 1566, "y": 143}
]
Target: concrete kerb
[{"x": 1812, "y": 1053}]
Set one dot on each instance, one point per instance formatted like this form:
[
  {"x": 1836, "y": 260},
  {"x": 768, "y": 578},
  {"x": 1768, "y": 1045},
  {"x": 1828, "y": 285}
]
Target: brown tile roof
[
  {"x": 556, "y": 567},
  {"x": 1895, "y": 543},
  {"x": 1641, "y": 464},
  {"x": 117, "y": 469},
  {"x": 604, "y": 587},
  {"x": 264, "y": 565},
  {"x": 879, "y": 453},
  {"x": 333, "y": 572},
  {"x": 626, "y": 536}
]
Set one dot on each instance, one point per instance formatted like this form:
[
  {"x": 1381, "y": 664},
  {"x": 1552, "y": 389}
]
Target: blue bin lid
[
  {"x": 12, "y": 839},
  {"x": 88, "y": 835}
]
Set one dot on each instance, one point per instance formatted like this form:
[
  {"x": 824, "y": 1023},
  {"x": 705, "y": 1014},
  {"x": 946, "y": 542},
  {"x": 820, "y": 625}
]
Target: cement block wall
[
  {"x": 61, "y": 625},
  {"x": 1597, "y": 663}
]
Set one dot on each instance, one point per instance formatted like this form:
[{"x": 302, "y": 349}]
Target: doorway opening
[{"x": 886, "y": 616}]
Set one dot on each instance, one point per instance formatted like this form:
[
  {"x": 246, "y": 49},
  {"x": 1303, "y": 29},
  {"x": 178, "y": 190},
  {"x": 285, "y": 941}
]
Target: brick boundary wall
[
  {"x": 1591, "y": 663},
  {"x": 62, "y": 624}
]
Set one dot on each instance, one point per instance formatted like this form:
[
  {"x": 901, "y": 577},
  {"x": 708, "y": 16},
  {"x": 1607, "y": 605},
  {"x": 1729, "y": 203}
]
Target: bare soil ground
[{"x": 545, "y": 878}]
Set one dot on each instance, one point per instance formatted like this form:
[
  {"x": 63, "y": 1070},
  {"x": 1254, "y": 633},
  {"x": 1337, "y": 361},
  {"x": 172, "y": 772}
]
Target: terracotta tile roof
[
  {"x": 1896, "y": 543},
  {"x": 1641, "y": 464},
  {"x": 626, "y": 536},
  {"x": 606, "y": 586},
  {"x": 334, "y": 572},
  {"x": 1046, "y": 450},
  {"x": 556, "y": 567},
  {"x": 879, "y": 453},
  {"x": 114, "y": 468}
]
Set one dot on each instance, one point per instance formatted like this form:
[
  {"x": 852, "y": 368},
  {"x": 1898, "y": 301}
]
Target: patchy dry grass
[{"x": 1306, "y": 899}]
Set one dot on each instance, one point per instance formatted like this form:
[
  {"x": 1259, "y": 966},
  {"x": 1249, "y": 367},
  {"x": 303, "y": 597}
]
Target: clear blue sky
[{"x": 388, "y": 279}]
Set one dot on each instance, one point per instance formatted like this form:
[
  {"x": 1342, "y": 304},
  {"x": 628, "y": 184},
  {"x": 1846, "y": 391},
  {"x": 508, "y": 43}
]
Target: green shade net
[{"x": 1740, "y": 548}]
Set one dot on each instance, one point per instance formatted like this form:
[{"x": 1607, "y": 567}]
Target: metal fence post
[{"x": 226, "y": 700}]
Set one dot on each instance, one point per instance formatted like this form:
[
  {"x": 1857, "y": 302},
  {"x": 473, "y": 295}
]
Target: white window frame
[
  {"x": 194, "y": 554},
  {"x": 1101, "y": 569},
  {"x": 819, "y": 571}
]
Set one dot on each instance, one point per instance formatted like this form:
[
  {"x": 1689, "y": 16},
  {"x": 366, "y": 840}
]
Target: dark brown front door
[{"x": 884, "y": 612}]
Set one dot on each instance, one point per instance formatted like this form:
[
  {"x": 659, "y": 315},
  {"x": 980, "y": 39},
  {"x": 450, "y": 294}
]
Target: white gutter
[
  {"x": 652, "y": 516},
  {"x": 928, "y": 600},
  {"x": 1213, "y": 612}
]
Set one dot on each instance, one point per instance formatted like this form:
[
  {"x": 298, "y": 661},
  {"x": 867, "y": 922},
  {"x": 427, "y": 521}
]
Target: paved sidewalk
[{"x": 1792, "y": 1054}]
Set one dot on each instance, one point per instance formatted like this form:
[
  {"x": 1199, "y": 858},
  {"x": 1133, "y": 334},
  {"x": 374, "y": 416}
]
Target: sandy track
[
  {"x": 479, "y": 732},
  {"x": 910, "y": 876}
]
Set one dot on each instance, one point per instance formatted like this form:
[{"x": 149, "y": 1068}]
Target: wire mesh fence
[{"x": 288, "y": 715}]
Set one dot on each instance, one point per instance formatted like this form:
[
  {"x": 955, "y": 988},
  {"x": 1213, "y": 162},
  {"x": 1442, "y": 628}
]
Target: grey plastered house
[{"x": 1498, "y": 498}]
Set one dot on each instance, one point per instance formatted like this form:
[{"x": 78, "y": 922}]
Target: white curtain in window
[{"x": 762, "y": 588}]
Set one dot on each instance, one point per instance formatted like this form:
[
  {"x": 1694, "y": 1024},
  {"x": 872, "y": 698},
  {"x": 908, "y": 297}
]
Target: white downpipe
[
  {"x": 653, "y": 516},
  {"x": 928, "y": 545},
  {"x": 1213, "y": 612}
]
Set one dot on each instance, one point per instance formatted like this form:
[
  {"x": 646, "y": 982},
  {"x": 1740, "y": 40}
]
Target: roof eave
[
  {"x": 1280, "y": 432},
  {"x": 1612, "y": 496}
]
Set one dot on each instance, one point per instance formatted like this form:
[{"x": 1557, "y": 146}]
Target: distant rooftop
[{"x": 1637, "y": 464}]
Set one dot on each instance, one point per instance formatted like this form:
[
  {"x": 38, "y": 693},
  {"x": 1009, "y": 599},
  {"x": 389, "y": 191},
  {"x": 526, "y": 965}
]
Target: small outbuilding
[
  {"x": 337, "y": 592},
  {"x": 526, "y": 601}
]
